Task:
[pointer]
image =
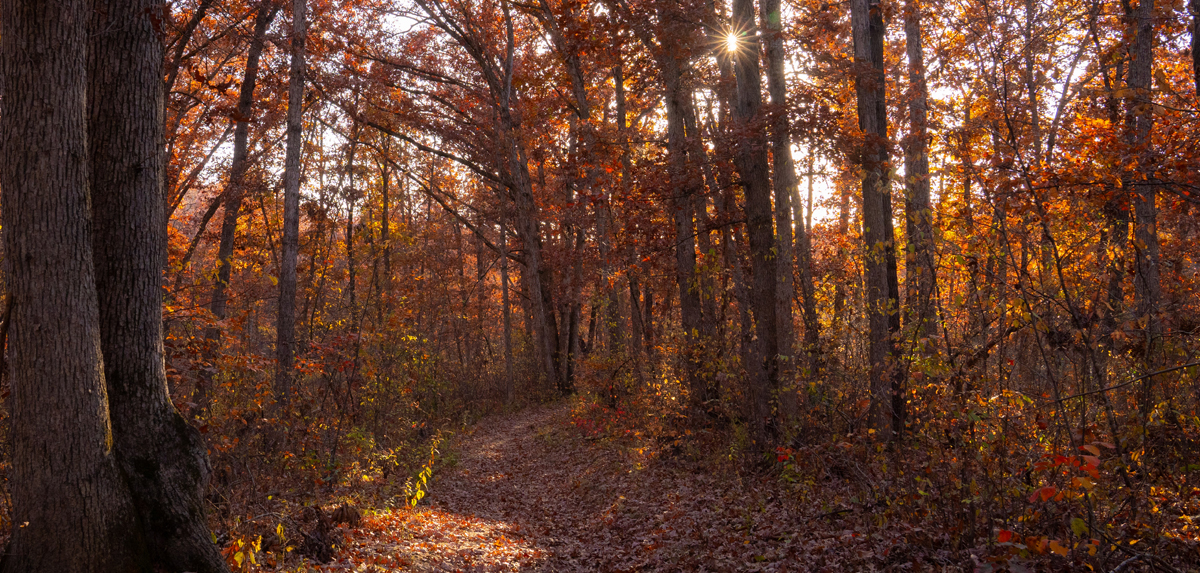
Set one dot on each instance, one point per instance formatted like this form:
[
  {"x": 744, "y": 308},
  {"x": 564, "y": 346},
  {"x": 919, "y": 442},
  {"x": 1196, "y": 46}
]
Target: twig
[{"x": 1128, "y": 382}]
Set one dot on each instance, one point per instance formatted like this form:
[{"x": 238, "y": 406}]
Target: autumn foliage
[{"x": 506, "y": 204}]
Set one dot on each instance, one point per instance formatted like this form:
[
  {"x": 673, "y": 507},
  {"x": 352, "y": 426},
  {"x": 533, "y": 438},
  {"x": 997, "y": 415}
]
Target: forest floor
[{"x": 551, "y": 489}]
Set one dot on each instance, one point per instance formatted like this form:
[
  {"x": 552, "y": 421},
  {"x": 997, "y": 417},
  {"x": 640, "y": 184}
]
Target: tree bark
[
  {"x": 882, "y": 296},
  {"x": 1143, "y": 192},
  {"x": 163, "y": 459},
  {"x": 919, "y": 267},
  {"x": 751, "y": 160},
  {"x": 72, "y": 510},
  {"x": 285, "y": 325}
]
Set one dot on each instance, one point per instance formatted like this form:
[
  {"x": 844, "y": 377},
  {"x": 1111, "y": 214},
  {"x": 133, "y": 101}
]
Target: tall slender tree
[
  {"x": 285, "y": 325},
  {"x": 751, "y": 161},
  {"x": 882, "y": 291},
  {"x": 235, "y": 191},
  {"x": 919, "y": 267},
  {"x": 1140, "y": 185}
]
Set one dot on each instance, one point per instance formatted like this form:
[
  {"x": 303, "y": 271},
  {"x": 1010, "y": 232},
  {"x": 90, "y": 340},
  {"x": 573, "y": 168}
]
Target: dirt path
[{"x": 531, "y": 492}]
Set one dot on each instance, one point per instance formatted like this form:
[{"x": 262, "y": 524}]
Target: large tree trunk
[
  {"x": 919, "y": 267},
  {"x": 882, "y": 296},
  {"x": 74, "y": 510},
  {"x": 1140, "y": 120},
  {"x": 285, "y": 325},
  {"x": 752, "y": 166},
  {"x": 163, "y": 459}
]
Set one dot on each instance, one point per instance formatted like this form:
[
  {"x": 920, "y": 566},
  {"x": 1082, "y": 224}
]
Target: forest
[{"x": 600, "y": 285}]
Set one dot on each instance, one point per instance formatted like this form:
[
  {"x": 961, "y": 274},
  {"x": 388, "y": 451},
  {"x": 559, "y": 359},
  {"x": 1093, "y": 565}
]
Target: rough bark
[
  {"x": 163, "y": 459},
  {"x": 919, "y": 267},
  {"x": 285, "y": 325},
  {"x": 74, "y": 511},
  {"x": 751, "y": 161},
  {"x": 882, "y": 296}
]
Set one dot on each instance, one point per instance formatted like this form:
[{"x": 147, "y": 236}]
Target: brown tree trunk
[
  {"x": 919, "y": 267},
  {"x": 751, "y": 160},
  {"x": 234, "y": 193},
  {"x": 784, "y": 181},
  {"x": 163, "y": 459},
  {"x": 683, "y": 191},
  {"x": 507, "y": 309},
  {"x": 285, "y": 325},
  {"x": 1143, "y": 192},
  {"x": 72, "y": 509},
  {"x": 882, "y": 296}
]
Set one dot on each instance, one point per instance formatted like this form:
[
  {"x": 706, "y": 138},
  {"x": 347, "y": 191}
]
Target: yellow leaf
[{"x": 239, "y": 557}]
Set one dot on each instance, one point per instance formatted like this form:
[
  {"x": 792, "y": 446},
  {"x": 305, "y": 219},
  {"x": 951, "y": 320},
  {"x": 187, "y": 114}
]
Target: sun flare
[{"x": 731, "y": 42}]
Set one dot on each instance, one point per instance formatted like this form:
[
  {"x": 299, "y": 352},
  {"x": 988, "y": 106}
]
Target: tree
[
  {"x": 161, "y": 457},
  {"x": 919, "y": 267},
  {"x": 285, "y": 325},
  {"x": 1140, "y": 185},
  {"x": 235, "y": 191},
  {"x": 879, "y": 257},
  {"x": 755, "y": 181},
  {"x": 74, "y": 508}
]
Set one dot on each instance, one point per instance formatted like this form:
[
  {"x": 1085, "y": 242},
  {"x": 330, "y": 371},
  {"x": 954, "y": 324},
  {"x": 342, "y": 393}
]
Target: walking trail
[{"x": 547, "y": 490}]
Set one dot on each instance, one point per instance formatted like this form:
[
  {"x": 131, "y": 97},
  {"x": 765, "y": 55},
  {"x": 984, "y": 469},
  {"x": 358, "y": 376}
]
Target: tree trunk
[
  {"x": 237, "y": 173},
  {"x": 784, "y": 181},
  {"x": 919, "y": 267},
  {"x": 1143, "y": 192},
  {"x": 285, "y": 325},
  {"x": 682, "y": 187},
  {"x": 507, "y": 309},
  {"x": 812, "y": 326},
  {"x": 1194, "y": 8},
  {"x": 751, "y": 160},
  {"x": 163, "y": 459},
  {"x": 234, "y": 193},
  {"x": 882, "y": 296},
  {"x": 74, "y": 510}
]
